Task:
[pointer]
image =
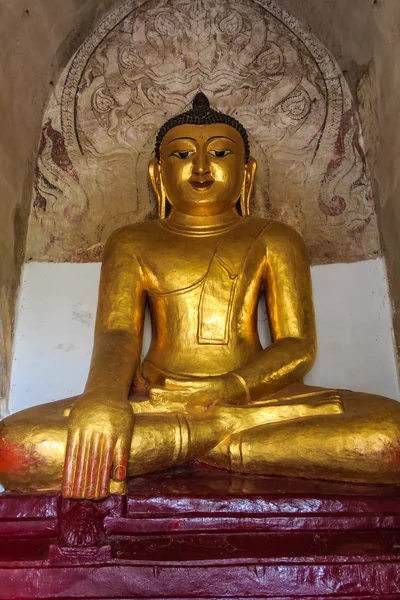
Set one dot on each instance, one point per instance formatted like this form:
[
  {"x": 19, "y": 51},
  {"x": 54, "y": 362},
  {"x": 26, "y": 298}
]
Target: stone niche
[{"x": 143, "y": 64}]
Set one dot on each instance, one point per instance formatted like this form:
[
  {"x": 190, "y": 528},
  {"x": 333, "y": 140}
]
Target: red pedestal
[{"x": 198, "y": 532}]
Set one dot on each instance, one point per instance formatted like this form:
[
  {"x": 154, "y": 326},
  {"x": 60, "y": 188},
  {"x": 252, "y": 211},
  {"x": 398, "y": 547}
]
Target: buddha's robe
[{"x": 297, "y": 430}]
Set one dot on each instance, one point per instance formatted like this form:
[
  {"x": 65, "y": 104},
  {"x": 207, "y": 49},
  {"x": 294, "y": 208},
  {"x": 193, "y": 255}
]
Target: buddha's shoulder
[
  {"x": 134, "y": 236},
  {"x": 275, "y": 231}
]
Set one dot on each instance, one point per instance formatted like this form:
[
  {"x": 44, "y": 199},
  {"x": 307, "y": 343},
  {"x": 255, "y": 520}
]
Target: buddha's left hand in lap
[{"x": 181, "y": 393}]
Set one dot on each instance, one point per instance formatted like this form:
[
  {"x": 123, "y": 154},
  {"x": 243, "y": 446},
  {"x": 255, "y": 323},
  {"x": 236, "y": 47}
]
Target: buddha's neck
[{"x": 196, "y": 225}]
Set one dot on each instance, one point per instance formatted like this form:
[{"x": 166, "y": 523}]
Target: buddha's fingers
[
  {"x": 82, "y": 466},
  {"x": 104, "y": 469},
  {"x": 121, "y": 456},
  {"x": 70, "y": 463},
  {"x": 184, "y": 384},
  {"x": 93, "y": 466},
  {"x": 168, "y": 400}
]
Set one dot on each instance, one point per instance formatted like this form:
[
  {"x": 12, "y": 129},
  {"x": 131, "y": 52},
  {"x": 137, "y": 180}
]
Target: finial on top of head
[
  {"x": 201, "y": 113},
  {"x": 200, "y": 102}
]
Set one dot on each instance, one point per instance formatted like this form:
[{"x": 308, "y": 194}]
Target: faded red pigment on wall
[{"x": 144, "y": 64}]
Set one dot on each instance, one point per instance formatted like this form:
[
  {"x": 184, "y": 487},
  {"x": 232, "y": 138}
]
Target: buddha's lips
[{"x": 201, "y": 185}]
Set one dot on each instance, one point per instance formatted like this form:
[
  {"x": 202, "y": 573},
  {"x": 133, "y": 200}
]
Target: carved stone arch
[{"x": 144, "y": 63}]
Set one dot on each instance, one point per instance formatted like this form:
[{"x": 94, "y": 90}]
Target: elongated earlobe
[
  {"x": 158, "y": 187},
  {"x": 244, "y": 206},
  {"x": 162, "y": 202},
  {"x": 247, "y": 187}
]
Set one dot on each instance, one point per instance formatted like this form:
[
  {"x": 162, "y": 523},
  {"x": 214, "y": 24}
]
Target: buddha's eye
[
  {"x": 183, "y": 154},
  {"x": 220, "y": 153}
]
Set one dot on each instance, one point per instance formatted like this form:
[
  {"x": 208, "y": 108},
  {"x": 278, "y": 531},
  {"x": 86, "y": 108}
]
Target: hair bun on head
[{"x": 200, "y": 102}]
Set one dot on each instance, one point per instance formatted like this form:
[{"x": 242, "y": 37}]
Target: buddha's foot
[{"x": 275, "y": 410}]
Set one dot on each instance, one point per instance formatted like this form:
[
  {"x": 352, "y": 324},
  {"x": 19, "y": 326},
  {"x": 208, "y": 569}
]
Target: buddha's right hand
[{"x": 99, "y": 440}]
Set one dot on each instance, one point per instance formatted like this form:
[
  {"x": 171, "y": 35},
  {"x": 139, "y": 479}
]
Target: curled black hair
[{"x": 201, "y": 113}]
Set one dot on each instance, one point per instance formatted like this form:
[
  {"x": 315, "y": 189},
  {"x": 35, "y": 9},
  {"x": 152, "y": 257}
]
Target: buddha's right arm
[
  {"x": 120, "y": 316},
  {"x": 291, "y": 316},
  {"x": 101, "y": 420}
]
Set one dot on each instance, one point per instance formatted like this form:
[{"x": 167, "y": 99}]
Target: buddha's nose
[{"x": 200, "y": 165}]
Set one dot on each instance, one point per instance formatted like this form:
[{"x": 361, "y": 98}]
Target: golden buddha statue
[{"x": 207, "y": 390}]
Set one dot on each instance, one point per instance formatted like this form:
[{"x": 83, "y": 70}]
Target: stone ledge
[{"x": 199, "y": 532}]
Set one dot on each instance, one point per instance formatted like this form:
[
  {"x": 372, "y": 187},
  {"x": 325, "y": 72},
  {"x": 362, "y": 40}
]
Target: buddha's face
[{"x": 202, "y": 168}]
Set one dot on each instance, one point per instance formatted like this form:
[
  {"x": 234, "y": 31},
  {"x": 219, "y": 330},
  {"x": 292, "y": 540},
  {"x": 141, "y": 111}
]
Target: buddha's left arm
[{"x": 291, "y": 314}]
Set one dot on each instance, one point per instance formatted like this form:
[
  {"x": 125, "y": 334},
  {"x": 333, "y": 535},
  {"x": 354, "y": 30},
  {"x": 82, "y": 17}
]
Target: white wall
[
  {"x": 56, "y": 316},
  {"x": 354, "y": 325}
]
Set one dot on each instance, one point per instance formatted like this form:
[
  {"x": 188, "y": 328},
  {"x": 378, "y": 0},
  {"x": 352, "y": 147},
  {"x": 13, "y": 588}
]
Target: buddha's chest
[
  {"x": 177, "y": 266},
  {"x": 213, "y": 305},
  {"x": 180, "y": 263}
]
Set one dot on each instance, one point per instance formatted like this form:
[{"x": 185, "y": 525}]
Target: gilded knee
[
  {"x": 14, "y": 454},
  {"x": 386, "y": 444},
  {"x": 29, "y": 457}
]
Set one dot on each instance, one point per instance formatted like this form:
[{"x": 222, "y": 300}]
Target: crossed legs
[{"x": 362, "y": 444}]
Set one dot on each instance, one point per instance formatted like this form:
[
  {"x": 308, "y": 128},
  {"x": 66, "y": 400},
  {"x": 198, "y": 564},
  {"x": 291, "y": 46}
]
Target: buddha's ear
[
  {"x": 248, "y": 185},
  {"x": 158, "y": 187}
]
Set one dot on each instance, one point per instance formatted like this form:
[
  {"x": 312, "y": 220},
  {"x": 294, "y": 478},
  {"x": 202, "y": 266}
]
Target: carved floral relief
[{"x": 143, "y": 64}]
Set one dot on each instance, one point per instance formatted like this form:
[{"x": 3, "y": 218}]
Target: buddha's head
[{"x": 202, "y": 163}]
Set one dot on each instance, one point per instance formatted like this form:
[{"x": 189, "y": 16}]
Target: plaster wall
[
  {"x": 254, "y": 61},
  {"x": 386, "y": 150},
  {"x": 57, "y": 311},
  {"x": 37, "y": 37},
  {"x": 345, "y": 27},
  {"x": 364, "y": 37}
]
